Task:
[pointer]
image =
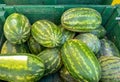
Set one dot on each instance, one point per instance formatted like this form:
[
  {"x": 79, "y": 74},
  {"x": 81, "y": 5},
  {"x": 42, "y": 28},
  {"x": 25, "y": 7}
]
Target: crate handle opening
[{"x": 117, "y": 18}]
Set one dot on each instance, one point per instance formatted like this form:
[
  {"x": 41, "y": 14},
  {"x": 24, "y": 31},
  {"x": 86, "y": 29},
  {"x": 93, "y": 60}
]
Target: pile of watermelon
[{"x": 77, "y": 50}]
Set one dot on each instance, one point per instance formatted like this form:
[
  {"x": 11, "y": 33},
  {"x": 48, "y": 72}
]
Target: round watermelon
[
  {"x": 17, "y": 28},
  {"x": 90, "y": 40},
  {"x": 46, "y": 33}
]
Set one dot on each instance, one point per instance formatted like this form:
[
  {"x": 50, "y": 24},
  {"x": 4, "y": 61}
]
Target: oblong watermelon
[
  {"x": 80, "y": 61},
  {"x": 17, "y": 28},
  {"x": 46, "y": 33},
  {"x": 81, "y": 19},
  {"x": 21, "y": 67}
]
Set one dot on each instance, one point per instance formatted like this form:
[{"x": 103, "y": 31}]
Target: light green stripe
[
  {"x": 72, "y": 65},
  {"x": 69, "y": 64},
  {"x": 90, "y": 61}
]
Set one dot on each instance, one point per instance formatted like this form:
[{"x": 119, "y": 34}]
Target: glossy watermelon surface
[{"x": 21, "y": 67}]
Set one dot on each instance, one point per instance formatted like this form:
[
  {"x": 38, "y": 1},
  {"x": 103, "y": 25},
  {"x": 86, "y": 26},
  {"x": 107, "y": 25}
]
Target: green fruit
[
  {"x": 34, "y": 46},
  {"x": 66, "y": 34},
  {"x": 81, "y": 19},
  {"x": 99, "y": 32},
  {"x": 65, "y": 75},
  {"x": 13, "y": 48},
  {"x": 46, "y": 33},
  {"x": 110, "y": 66},
  {"x": 108, "y": 48},
  {"x": 52, "y": 60},
  {"x": 21, "y": 67},
  {"x": 90, "y": 40},
  {"x": 80, "y": 61},
  {"x": 51, "y": 78},
  {"x": 17, "y": 28}
]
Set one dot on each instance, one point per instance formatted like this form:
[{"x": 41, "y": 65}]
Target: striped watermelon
[
  {"x": 80, "y": 61},
  {"x": 13, "y": 48},
  {"x": 34, "y": 46},
  {"x": 46, "y": 33},
  {"x": 81, "y": 19},
  {"x": 99, "y": 32},
  {"x": 21, "y": 67},
  {"x": 110, "y": 66},
  {"x": 51, "y": 78},
  {"x": 66, "y": 34},
  {"x": 17, "y": 28},
  {"x": 52, "y": 60},
  {"x": 90, "y": 40},
  {"x": 65, "y": 75},
  {"x": 108, "y": 48}
]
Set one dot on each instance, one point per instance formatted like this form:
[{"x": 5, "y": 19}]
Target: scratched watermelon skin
[{"x": 21, "y": 67}]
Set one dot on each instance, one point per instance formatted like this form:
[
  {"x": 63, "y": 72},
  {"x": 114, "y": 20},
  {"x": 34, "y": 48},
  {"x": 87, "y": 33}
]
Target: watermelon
[
  {"x": 90, "y": 40},
  {"x": 110, "y": 66},
  {"x": 99, "y": 32},
  {"x": 66, "y": 34},
  {"x": 80, "y": 61},
  {"x": 55, "y": 77},
  {"x": 108, "y": 48},
  {"x": 81, "y": 19},
  {"x": 46, "y": 33},
  {"x": 21, "y": 67},
  {"x": 17, "y": 28},
  {"x": 52, "y": 60},
  {"x": 34, "y": 46},
  {"x": 65, "y": 75},
  {"x": 13, "y": 48}
]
